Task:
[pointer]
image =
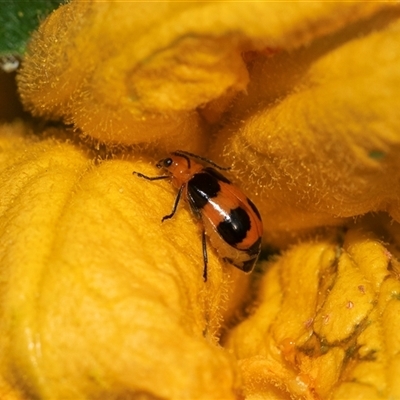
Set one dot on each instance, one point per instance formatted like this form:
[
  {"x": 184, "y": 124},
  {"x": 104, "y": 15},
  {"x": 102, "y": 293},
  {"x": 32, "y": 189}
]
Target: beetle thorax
[{"x": 181, "y": 172}]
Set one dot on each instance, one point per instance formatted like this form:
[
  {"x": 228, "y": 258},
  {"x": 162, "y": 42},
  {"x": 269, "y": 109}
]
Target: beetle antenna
[{"x": 186, "y": 154}]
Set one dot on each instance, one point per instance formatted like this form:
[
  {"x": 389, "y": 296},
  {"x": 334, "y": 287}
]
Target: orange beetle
[{"x": 230, "y": 220}]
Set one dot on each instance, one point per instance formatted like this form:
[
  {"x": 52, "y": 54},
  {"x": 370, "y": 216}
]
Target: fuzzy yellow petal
[
  {"x": 325, "y": 146},
  {"x": 326, "y": 321},
  {"x": 138, "y": 72},
  {"x": 98, "y": 298},
  {"x": 301, "y": 99}
]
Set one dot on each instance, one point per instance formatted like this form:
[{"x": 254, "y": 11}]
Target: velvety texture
[{"x": 99, "y": 300}]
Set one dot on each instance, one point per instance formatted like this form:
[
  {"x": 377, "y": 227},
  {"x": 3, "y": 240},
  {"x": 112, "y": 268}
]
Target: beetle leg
[
  {"x": 205, "y": 257},
  {"x": 178, "y": 197},
  {"x": 150, "y": 178}
]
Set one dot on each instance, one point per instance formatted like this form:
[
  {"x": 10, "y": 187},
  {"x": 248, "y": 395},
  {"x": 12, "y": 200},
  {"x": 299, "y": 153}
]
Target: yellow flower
[
  {"x": 326, "y": 319},
  {"x": 101, "y": 300}
]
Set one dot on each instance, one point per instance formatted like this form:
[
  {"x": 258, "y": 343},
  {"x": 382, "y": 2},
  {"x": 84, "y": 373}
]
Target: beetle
[{"x": 229, "y": 219}]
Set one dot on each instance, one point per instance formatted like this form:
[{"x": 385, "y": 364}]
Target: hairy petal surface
[
  {"x": 138, "y": 72},
  {"x": 327, "y": 149},
  {"x": 98, "y": 299},
  {"x": 326, "y": 319}
]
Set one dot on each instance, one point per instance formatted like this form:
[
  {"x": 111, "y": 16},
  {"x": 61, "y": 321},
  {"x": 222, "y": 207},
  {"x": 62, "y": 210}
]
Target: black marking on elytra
[
  {"x": 245, "y": 266},
  {"x": 248, "y": 265},
  {"x": 233, "y": 229},
  {"x": 202, "y": 187},
  {"x": 217, "y": 175},
  {"x": 254, "y": 249},
  {"x": 254, "y": 208}
]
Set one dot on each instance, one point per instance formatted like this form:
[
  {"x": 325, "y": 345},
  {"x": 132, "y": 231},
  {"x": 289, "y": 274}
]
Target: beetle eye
[{"x": 167, "y": 162}]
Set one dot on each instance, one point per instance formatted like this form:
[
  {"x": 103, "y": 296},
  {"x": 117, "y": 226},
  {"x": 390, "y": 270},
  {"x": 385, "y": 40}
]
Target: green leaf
[{"x": 18, "y": 19}]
